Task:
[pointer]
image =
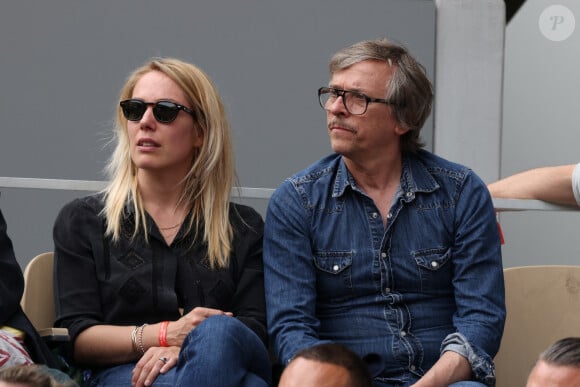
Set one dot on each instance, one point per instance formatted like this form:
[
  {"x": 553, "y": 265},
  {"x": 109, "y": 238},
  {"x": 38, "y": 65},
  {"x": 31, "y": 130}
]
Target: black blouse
[{"x": 132, "y": 281}]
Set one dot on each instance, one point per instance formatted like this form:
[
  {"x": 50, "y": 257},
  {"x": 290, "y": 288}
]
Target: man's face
[
  {"x": 309, "y": 373},
  {"x": 372, "y": 133},
  {"x": 549, "y": 375}
]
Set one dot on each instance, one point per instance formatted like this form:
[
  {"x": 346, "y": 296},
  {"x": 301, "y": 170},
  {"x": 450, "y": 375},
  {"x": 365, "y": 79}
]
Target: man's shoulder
[
  {"x": 323, "y": 167},
  {"x": 437, "y": 165},
  {"x": 317, "y": 177}
]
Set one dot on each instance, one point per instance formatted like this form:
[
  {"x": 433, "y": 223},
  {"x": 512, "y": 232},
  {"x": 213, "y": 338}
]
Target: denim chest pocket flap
[
  {"x": 333, "y": 262},
  {"x": 432, "y": 259}
]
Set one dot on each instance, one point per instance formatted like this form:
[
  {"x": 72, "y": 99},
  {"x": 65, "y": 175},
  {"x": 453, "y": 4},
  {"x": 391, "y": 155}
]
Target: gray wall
[
  {"x": 63, "y": 63},
  {"x": 541, "y": 126}
]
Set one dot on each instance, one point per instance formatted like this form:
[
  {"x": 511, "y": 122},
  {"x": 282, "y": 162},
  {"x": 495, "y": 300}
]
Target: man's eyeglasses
[
  {"x": 164, "y": 111},
  {"x": 354, "y": 102}
]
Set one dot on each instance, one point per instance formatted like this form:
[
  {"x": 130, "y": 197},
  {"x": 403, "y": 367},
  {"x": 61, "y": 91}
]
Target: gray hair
[{"x": 409, "y": 88}]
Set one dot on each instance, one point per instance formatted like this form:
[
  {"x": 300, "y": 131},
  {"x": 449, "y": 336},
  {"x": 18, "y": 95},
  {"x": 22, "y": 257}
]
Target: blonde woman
[{"x": 159, "y": 278}]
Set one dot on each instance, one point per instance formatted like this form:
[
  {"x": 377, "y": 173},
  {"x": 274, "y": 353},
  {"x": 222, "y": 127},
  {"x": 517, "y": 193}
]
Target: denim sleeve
[
  {"x": 289, "y": 275},
  {"x": 477, "y": 280},
  {"x": 481, "y": 364}
]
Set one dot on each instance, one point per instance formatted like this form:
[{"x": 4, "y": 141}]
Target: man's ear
[{"x": 401, "y": 130}]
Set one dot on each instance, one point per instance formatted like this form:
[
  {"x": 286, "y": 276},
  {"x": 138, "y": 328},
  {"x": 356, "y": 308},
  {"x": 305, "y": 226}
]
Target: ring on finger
[{"x": 163, "y": 359}]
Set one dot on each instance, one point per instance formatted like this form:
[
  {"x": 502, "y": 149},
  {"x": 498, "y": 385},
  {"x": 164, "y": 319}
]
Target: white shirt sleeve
[{"x": 576, "y": 183}]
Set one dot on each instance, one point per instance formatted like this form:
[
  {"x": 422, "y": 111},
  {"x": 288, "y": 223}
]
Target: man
[
  {"x": 558, "y": 366},
  {"x": 26, "y": 376},
  {"x": 382, "y": 246},
  {"x": 331, "y": 365},
  {"x": 558, "y": 184}
]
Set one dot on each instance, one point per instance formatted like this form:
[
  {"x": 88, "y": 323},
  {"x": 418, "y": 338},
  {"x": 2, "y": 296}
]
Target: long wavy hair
[{"x": 207, "y": 185}]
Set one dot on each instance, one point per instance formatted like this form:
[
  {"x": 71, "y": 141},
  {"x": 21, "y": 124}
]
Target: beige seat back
[
  {"x": 543, "y": 305},
  {"x": 37, "y": 300}
]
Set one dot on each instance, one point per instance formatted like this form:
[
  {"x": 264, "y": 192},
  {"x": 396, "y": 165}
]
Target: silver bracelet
[
  {"x": 134, "y": 338},
  {"x": 141, "y": 347}
]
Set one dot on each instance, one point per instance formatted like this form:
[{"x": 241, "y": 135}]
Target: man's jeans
[
  {"x": 457, "y": 384},
  {"x": 221, "y": 351}
]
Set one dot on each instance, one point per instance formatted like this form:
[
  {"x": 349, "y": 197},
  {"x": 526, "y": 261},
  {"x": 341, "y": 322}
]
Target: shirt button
[
  {"x": 387, "y": 290},
  {"x": 375, "y": 215},
  {"x": 335, "y": 267},
  {"x": 409, "y": 194},
  {"x": 403, "y": 333},
  {"x": 434, "y": 264},
  {"x": 384, "y": 255},
  {"x": 413, "y": 368},
  {"x": 389, "y": 215}
]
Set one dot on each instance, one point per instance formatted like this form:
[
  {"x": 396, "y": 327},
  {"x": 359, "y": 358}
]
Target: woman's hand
[
  {"x": 155, "y": 361},
  {"x": 178, "y": 330},
  {"x": 158, "y": 360}
]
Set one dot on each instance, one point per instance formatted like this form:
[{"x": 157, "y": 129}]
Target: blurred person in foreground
[
  {"x": 558, "y": 365},
  {"x": 322, "y": 365}
]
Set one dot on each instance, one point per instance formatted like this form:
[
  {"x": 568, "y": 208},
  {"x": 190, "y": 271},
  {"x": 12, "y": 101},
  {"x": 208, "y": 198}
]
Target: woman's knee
[
  {"x": 227, "y": 336},
  {"x": 221, "y": 330}
]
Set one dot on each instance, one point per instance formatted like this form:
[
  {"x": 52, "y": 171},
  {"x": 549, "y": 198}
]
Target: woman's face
[{"x": 157, "y": 147}]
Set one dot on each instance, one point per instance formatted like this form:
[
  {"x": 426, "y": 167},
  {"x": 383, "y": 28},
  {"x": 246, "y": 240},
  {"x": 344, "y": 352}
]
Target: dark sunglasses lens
[
  {"x": 165, "y": 111},
  {"x": 133, "y": 110}
]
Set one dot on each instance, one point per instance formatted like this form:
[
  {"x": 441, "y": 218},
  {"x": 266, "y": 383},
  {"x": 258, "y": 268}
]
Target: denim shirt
[{"x": 428, "y": 282}]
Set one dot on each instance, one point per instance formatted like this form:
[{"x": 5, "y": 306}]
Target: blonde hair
[{"x": 207, "y": 185}]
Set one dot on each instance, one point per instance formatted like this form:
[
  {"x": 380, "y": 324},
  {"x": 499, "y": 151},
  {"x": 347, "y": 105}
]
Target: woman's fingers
[{"x": 157, "y": 360}]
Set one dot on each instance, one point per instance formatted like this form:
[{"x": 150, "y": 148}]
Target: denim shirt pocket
[
  {"x": 334, "y": 273},
  {"x": 434, "y": 268}
]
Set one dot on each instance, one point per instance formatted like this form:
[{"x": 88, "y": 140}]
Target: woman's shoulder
[
  {"x": 83, "y": 207},
  {"x": 243, "y": 216}
]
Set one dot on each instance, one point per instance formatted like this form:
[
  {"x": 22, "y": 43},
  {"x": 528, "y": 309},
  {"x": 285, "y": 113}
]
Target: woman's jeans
[{"x": 221, "y": 351}]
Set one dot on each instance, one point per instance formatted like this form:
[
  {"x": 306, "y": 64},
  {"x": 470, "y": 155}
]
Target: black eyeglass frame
[
  {"x": 342, "y": 93},
  {"x": 163, "y": 103}
]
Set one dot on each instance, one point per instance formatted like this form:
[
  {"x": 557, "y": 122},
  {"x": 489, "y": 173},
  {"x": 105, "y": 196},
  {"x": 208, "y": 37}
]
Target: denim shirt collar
[{"x": 415, "y": 177}]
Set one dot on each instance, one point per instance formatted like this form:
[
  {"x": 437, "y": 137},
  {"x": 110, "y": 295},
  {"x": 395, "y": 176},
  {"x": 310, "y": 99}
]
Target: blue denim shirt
[{"x": 428, "y": 282}]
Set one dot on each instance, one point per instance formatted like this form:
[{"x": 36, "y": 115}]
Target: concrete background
[
  {"x": 63, "y": 63},
  {"x": 541, "y": 126}
]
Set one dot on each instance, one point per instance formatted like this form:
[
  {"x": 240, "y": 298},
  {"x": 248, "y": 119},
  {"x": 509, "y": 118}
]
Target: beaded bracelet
[
  {"x": 141, "y": 347},
  {"x": 163, "y": 334}
]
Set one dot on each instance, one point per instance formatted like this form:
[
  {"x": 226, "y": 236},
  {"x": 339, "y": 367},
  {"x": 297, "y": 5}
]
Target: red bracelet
[{"x": 163, "y": 334}]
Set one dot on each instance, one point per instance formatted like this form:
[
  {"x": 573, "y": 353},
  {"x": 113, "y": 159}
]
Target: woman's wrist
[{"x": 162, "y": 335}]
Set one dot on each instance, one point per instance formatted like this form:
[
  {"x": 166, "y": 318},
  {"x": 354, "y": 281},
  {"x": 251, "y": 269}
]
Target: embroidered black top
[{"x": 134, "y": 281}]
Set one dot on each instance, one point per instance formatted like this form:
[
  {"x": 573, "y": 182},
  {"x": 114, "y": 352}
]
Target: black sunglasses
[{"x": 164, "y": 111}]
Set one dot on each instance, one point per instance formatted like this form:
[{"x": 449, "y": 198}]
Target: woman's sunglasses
[{"x": 163, "y": 111}]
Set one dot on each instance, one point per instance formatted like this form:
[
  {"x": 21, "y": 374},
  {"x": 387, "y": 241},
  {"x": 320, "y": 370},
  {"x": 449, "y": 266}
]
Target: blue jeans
[
  {"x": 221, "y": 351},
  {"x": 457, "y": 384}
]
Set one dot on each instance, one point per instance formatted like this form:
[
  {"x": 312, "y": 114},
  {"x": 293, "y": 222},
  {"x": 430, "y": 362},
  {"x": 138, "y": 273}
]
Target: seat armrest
[{"x": 54, "y": 334}]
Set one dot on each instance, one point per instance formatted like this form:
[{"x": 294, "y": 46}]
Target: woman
[{"x": 159, "y": 278}]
